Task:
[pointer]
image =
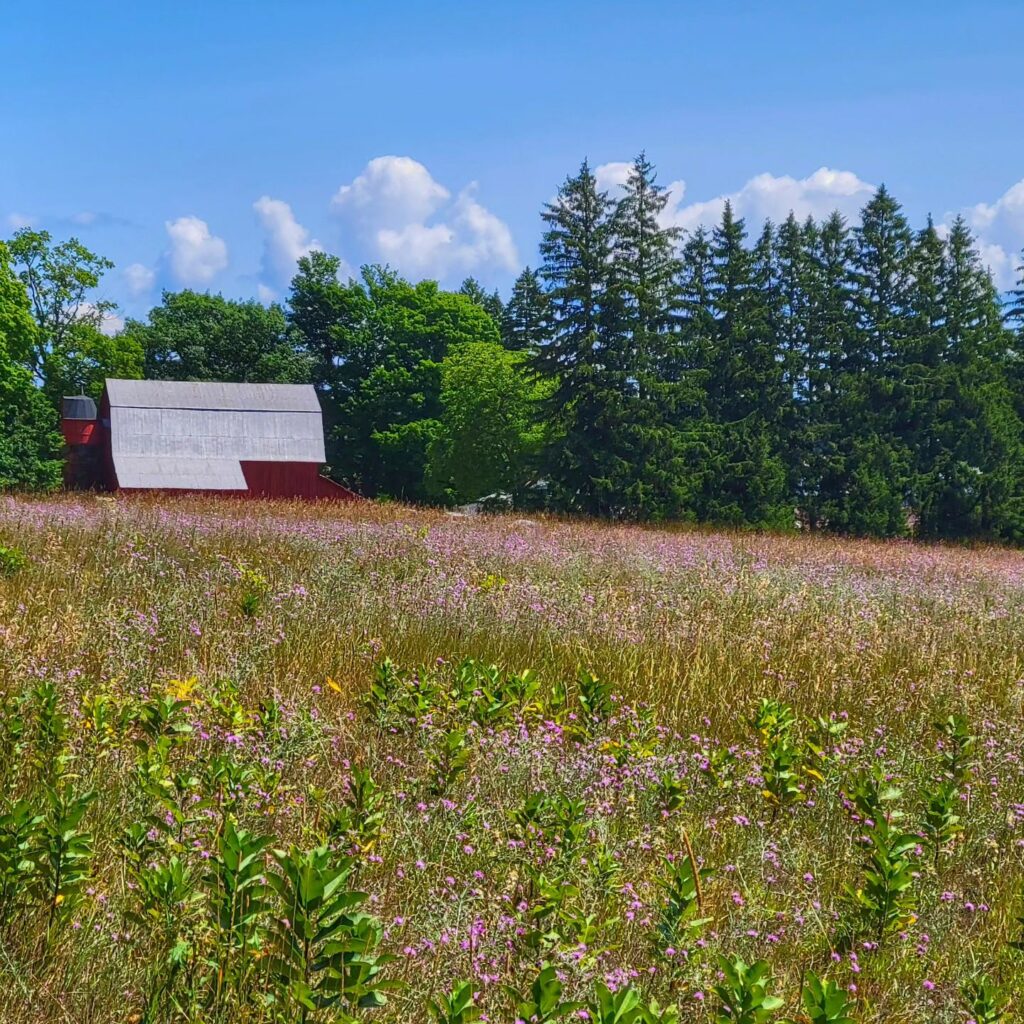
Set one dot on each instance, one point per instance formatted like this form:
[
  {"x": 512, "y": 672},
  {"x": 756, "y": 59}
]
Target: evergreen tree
[
  {"x": 1015, "y": 307},
  {"x": 826, "y": 391},
  {"x": 526, "y": 318},
  {"x": 875, "y": 396},
  {"x": 970, "y": 463},
  {"x": 686, "y": 367},
  {"x": 490, "y": 302},
  {"x": 650, "y": 476},
  {"x": 586, "y": 404},
  {"x": 746, "y": 387}
]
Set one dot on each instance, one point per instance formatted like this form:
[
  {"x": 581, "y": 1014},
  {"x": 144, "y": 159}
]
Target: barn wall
[
  {"x": 109, "y": 475},
  {"x": 291, "y": 480}
]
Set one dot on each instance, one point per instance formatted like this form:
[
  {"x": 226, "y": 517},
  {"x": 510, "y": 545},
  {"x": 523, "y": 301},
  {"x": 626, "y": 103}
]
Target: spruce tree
[
  {"x": 969, "y": 467},
  {"x": 686, "y": 364},
  {"x": 526, "y": 318},
  {"x": 876, "y": 456},
  {"x": 651, "y": 472},
  {"x": 1015, "y": 307},
  {"x": 490, "y": 302},
  {"x": 829, "y": 394},
  {"x": 746, "y": 389},
  {"x": 585, "y": 407}
]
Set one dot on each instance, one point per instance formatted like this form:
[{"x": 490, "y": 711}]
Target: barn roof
[
  {"x": 184, "y": 394},
  {"x": 194, "y": 436}
]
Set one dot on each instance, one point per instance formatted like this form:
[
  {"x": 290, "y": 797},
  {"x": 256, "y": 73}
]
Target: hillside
[{"x": 829, "y": 729}]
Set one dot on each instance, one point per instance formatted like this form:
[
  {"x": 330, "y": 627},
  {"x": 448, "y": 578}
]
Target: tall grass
[{"x": 265, "y": 623}]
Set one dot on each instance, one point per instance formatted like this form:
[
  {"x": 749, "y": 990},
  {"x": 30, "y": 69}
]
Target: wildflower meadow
[{"x": 281, "y": 763}]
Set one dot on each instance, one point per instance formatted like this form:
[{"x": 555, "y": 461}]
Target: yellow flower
[{"x": 181, "y": 689}]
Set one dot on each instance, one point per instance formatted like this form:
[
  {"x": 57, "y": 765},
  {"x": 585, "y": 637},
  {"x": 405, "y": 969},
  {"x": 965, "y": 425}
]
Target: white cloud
[
  {"x": 410, "y": 221},
  {"x": 767, "y": 196},
  {"x": 265, "y": 294},
  {"x": 17, "y": 221},
  {"x": 612, "y": 176},
  {"x": 285, "y": 239},
  {"x": 999, "y": 227},
  {"x": 110, "y": 323},
  {"x": 392, "y": 192},
  {"x": 139, "y": 279},
  {"x": 195, "y": 256}
]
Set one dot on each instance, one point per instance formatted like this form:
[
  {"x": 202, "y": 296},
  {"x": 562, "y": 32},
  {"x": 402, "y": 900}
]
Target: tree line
[{"x": 863, "y": 379}]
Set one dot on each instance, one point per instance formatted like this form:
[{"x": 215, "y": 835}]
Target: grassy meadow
[{"x": 281, "y": 763}]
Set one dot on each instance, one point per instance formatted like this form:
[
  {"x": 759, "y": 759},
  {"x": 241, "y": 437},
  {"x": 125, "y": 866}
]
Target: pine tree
[
  {"x": 490, "y": 302},
  {"x": 923, "y": 372},
  {"x": 828, "y": 393},
  {"x": 687, "y": 358},
  {"x": 1015, "y": 307},
  {"x": 526, "y": 318},
  {"x": 585, "y": 407},
  {"x": 969, "y": 480},
  {"x": 876, "y": 460},
  {"x": 652, "y": 477},
  {"x": 746, "y": 389}
]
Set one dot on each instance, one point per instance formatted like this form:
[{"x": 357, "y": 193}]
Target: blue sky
[{"x": 207, "y": 144}]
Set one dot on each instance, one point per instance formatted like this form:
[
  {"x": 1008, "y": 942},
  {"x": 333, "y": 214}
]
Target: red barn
[{"x": 256, "y": 440}]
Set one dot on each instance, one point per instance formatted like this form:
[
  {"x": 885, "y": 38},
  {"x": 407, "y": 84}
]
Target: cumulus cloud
[
  {"x": 391, "y": 193},
  {"x": 765, "y": 196},
  {"x": 110, "y": 323},
  {"x": 139, "y": 279},
  {"x": 612, "y": 176},
  {"x": 411, "y": 221},
  {"x": 999, "y": 227},
  {"x": 195, "y": 256},
  {"x": 285, "y": 240}
]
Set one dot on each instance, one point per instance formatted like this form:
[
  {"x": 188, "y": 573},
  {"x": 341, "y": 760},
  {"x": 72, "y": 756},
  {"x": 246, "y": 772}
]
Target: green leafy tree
[
  {"x": 378, "y": 345},
  {"x": 58, "y": 279},
  {"x": 29, "y": 442},
  {"x": 323, "y": 310},
  {"x": 203, "y": 337},
  {"x": 86, "y": 358},
  {"x": 488, "y": 431}
]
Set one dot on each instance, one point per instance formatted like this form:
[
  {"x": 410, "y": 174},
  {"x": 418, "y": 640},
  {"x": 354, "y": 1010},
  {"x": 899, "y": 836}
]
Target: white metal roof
[
  {"x": 193, "y": 436},
  {"x": 171, "y": 473},
  {"x": 181, "y": 394}
]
